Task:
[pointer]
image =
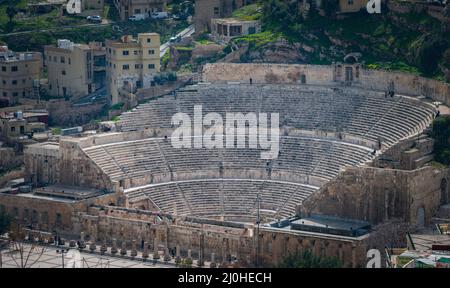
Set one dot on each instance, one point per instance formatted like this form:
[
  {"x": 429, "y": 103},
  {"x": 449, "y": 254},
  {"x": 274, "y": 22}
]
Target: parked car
[
  {"x": 159, "y": 15},
  {"x": 138, "y": 17},
  {"x": 95, "y": 19},
  {"x": 175, "y": 39}
]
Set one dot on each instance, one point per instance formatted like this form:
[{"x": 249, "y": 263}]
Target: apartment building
[
  {"x": 131, "y": 63},
  {"x": 129, "y": 8},
  {"x": 19, "y": 73},
  {"x": 71, "y": 68}
]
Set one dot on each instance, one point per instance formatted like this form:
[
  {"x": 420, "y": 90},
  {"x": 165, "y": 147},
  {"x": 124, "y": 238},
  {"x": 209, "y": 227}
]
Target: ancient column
[
  {"x": 213, "y": 263},
  {"x": 133, "y": 252},
  {"x": 123, "y": 250},
  {"x": 114, "y": 247},
  {"x": 103, "y": 248},
  {"x": 167, "y": 256},
  {"x": 92, "y": 246},
  {"x": 155, "y": 249},
  {"x": 145, "y": 251},
  {"x": 82, "y": 243}
]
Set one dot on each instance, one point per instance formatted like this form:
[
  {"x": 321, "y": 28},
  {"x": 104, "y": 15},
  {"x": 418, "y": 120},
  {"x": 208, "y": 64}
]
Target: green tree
[
  {"x": 429, "y": 53},
  {"x": 11, "y": 11},
  {"x": 308, "y": 260}
]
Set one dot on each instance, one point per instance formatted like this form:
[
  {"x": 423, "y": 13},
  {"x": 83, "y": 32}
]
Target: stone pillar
[
  {"x": 123, "y": 250},
  {"x": 82, "y": 243},
  {"x": 103, "y": 248},
  {"x": 213, "y": 261},
  {"x": 133, "y": 252},
  {"x": 155, "y": 249},
  {"x": 201, "y": 260},
  {"x": 145, "y": 251},
  {"x": 92, "y": 246},
  {"x": 114, "y": 247},
  {"x": 177, "y": 255},
  {"x": 167, "y": 256}
]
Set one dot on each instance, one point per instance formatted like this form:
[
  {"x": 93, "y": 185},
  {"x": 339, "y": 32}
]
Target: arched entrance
[{"x": 444, "y": 192}]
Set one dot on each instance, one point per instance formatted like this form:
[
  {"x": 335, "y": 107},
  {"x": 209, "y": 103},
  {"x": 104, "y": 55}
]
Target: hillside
[{"x": 409, "y": 40}]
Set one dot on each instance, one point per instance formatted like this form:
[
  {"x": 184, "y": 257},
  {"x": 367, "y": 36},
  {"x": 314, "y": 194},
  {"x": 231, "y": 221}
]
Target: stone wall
[
  {"x": 404, "y": 83},
  {"x": 41, "y": 164},
  {"x": 377, "y": 195},
  {"x": 77, "y": 169},
  {"x": 225, "y": 241}
]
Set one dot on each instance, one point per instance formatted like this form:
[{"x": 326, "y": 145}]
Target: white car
[
  {"x": 159, "y": 15},
  {"x": 95, "y": 19},
  {"x": 138, "y": 17}
]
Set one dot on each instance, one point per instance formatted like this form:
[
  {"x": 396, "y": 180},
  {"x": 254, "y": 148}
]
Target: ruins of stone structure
[{"x": 336, "y": 122}]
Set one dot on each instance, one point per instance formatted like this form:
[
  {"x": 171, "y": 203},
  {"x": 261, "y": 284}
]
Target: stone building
[
  {"x": 72, "y": 69},
  {"x": 205, "y": 10},
  {"x": 227, "y": 28},
  {"x": 131, "y": 63},
  {"x": 128, "y": 8},
  {"x": 19, "y": 72},
  {"x": 14, "y": 125}
]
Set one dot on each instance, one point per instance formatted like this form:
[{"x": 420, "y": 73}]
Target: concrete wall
[{"x": 377, "y": 195}]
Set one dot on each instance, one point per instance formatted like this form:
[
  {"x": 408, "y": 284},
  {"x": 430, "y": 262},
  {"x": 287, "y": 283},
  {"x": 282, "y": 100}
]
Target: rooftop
[{"x": 327, "y": 225}]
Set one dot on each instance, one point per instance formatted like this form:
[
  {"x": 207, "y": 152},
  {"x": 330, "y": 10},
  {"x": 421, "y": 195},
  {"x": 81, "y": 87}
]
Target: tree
[
  {"x": 23, "y": 254},
  {"x": 11, "y": 11},
  {"x": 308, "y": 260},
  {"x": 430, "y": 52}
]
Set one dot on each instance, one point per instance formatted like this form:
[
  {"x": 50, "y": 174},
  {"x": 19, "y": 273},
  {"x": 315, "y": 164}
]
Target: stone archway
[{"x": 444, "y": 192}]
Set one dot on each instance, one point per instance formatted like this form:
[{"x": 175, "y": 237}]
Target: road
[{"x": 183, "y": 34}]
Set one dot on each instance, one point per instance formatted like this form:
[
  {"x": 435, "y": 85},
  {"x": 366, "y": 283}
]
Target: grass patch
[
  {"x": 248, "y": 13},
  {"x": 258, "y": 39}
]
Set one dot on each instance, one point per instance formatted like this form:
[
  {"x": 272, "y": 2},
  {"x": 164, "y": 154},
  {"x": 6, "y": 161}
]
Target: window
[
  {"x": 137, "y": 66},
  {"x": 151, "y": 52},
  {"x": 4, "y": 82},
  {"x": 151, "y": 66},
  {"x": 126, "y": 67},
  {"x": 350, "y": 2},
  {"x": 63, "y": 72},
  {"x": 63, "y": 59},
  {"x": 14, "y": 69},
  {"x": 125, "y": 52},
  {"x": 149, "y": 40},
  {"x": 14, "y": 82},
  {"x": 15, "y": 94},
  {"x": 4, "y": 68},
  {"x": 70, "y": 62},
  {"x": 135, "y": 52},
  {"x": 13, "y": 129},
  {"x": 216, "y": 10}
]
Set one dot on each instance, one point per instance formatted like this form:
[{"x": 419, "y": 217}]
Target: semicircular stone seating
[{"x": 226, "y": 182}]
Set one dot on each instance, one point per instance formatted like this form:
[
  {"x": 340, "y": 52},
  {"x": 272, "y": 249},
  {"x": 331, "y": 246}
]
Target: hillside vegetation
[{"x": 412, "y": 42}]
